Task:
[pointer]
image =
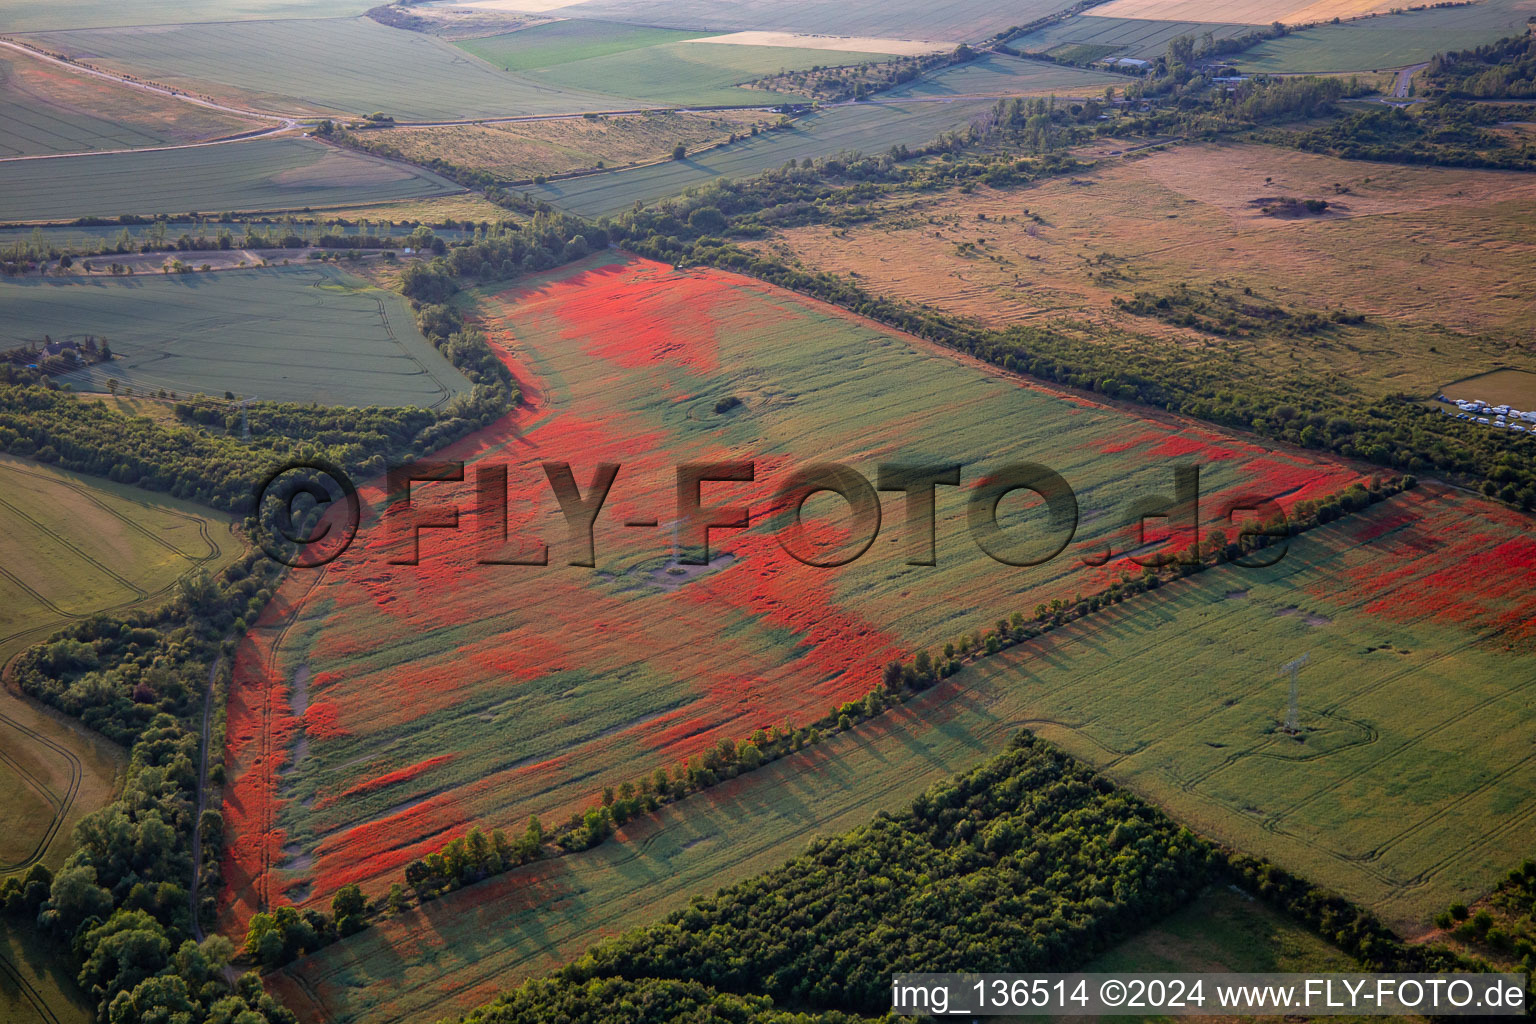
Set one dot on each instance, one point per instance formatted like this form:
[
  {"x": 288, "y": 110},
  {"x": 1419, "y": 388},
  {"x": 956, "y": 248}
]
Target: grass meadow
[
  {"x": 340, "y": 65},
  {"x": 532, "y": 688},
  {"x": 1407, "y": 787},
  {"x": 1439, "y": 306},
  {"x": 265, "y": 174},
  {"x": 284, "y": 334},
  {"x": 862, "y": 127}
]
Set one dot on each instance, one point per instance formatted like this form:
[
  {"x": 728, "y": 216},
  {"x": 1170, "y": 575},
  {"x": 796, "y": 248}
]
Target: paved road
[{"x": 1405, "y": 80}]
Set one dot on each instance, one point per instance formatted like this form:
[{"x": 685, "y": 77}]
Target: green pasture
[
  {"x": 338, "y": 65},
  {"x": 1118, "y": 37},
  {"x": 288, "y": 334},
  {"x": 863, "y": 127},
  {"x": 999, "y": 75},
  {"x": 565, "y": 42},
  {"x": 265, "y": 174},
  {"x": 1388, "y": 40}
]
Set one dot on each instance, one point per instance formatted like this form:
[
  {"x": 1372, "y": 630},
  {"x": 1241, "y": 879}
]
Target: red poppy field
[
  {"x": 1411, "y": 784},
  {"x": 382, "y": 708}
]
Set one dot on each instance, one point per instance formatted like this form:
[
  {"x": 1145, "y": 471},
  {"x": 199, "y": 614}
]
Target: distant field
[
  {"x": 296, "y": 334},
  {"x": 998, "y": 75},
  {"x": 564, "y": 42},
  {"x": 695, "y": 73},
  {"x": 1390, "y": 40},
  {"x": 45, "y": 109},
  {"x": 1441, "y": 304},
  {"x": 341, "y": 65},
  {"x": 38, "y": 15},
  {"x": 1118, "y": 37},
  {"x": 71, "y": 546},
  {"x": 267, "y": 174},
  {"x": 1501, "y": 387},
  {"x": 1396, "y": 807},
  {"x": 865, "y": 127},
  {"x": 1248, "y": 12},
  {"x": 897, "y": 19},
  {"x": 37, "y": 984},
  {"x": 523, "y": 149},
  {"x": 491, "y": 735}
]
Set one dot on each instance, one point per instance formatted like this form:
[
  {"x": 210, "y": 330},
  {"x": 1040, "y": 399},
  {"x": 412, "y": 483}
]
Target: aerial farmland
[{"x": 597, "y": 511}]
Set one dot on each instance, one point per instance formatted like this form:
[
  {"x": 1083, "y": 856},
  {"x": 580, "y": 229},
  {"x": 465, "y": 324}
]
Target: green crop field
[
  {"x": 564, "y": 42},
  {"x": 71, "y": 546},
  {"x": 1118, "y": 37},
  {"x": 963, "y": 20},
  {"x": 1409, "y": 786},
  {"x": 297, "y": 334},
  {"x": 340, "y": 65},
  {"x": 696, "y": 73},
  {"x": 862, "y": 127},
  {"x": 1389, "y": 40},
  {"x": 998, "y": 75},
  {"x": 265, "y": 174}
]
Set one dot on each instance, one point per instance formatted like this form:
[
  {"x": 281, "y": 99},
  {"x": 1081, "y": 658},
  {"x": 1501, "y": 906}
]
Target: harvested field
[
  {"x": 1248, "y": 12},
  {"x": 523, "y": 149},
  {"x": 266, "y": 174},
  {"x": 545, "y": 684},
  {"x": 285, "y": 334},
  {"x": 863, "y": 127},
  {"x": 45, "y": 109},
  {"x": 1435, "y": 257},
  {"x": 332, "y": 66},
  {"x": 1189, "y": 721}
]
